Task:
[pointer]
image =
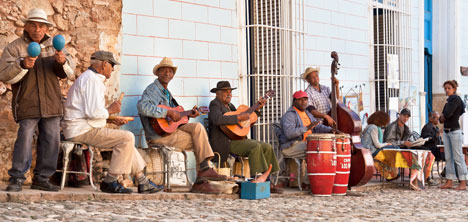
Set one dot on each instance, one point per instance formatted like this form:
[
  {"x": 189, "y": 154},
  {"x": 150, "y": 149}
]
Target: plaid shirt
[{"x": 320, "y": 100}]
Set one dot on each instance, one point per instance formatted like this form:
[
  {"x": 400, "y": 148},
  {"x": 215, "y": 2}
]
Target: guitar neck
[
  {"x": 268, "y": 95},
  {"x": 186, "y": 113},
  {"x": 253, "y": 108}
]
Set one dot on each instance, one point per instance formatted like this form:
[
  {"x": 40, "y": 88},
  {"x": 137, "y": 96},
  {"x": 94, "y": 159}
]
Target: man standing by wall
[{"x": 37, "y": 101}]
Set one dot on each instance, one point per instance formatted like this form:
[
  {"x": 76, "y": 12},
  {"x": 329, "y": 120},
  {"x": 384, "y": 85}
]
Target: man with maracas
[{"x": 31, "y": 64}]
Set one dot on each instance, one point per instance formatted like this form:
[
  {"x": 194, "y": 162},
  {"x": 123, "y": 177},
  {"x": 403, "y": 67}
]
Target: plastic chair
[{"x": 279, "y": 155}]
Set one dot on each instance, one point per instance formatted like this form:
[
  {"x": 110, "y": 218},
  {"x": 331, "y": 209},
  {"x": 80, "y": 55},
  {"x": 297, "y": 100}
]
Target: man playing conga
[{"x": 296, "y": 124}]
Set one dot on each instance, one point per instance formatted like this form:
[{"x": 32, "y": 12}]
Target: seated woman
[
  {"x": 372, "y": 139},
  {"x": 372, "y": 135},
  {"x": 385, "y": 161}
]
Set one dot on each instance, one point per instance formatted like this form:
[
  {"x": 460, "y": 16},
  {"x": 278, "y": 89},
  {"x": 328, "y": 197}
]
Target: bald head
[{"x": 434, "y": 117}]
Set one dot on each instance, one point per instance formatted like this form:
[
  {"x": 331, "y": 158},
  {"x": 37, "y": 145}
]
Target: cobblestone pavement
[{"x": 396, "y": 204}]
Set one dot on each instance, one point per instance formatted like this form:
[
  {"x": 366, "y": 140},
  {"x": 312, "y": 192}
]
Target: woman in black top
[{"x": 453, "y": 137}]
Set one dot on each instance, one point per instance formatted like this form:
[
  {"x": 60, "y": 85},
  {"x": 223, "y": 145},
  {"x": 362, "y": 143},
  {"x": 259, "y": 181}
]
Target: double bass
[{"x": 347, "y": 121}]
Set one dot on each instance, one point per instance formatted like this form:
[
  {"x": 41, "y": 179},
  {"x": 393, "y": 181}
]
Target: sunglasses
[{"x": 111, "y": 63}]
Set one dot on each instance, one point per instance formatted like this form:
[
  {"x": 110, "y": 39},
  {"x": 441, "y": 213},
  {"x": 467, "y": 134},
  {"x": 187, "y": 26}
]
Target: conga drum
[
  {"x": 321, "y": 163},
  {"x": 343, "y": 164}
]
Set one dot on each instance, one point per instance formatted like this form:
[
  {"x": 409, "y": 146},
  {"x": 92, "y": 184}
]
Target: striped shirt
[{"x": 319, "y": 99}]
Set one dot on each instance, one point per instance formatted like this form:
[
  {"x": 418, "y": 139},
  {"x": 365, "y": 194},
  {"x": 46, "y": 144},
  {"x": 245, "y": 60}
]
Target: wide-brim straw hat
[
  {"x": 165, "y": 62},
  {"x": 308, "y": 71},
  {"x": 37, "y": 15}
]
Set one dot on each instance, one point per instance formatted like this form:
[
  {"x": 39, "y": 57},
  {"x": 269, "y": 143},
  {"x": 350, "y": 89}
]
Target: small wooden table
[
  {"x": 404, "y": 158},
  {"x": 465, "y": 151}
]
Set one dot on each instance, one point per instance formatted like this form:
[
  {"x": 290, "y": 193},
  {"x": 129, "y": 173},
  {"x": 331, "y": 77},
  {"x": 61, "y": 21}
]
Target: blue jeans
[
  {"x": 47, "y": 148},
  {"x": 454, "y": 155}
]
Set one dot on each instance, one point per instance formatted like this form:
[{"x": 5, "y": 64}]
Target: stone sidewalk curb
[{"x": 86, "y": 194}]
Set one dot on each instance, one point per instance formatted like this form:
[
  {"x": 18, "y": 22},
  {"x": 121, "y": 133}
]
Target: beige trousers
[
  {"x": 125, "y": 157},
  {"x": 297, "y": 150},
  {"x": 191, "y": 136}
]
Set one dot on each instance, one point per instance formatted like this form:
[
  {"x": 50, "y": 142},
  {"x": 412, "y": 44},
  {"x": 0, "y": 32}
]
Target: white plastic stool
[
  {"x": 67, "y": 148},
  {"x": 168, "y": 170}
]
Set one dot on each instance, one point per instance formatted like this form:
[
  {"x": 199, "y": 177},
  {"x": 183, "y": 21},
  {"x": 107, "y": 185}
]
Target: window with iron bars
[
  {"x": 391, "y": 42},
  {"x": 275, "y": 39}
]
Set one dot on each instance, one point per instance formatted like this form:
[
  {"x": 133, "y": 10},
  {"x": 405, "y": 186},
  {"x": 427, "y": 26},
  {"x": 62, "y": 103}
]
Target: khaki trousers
[
  {"x": 297, "y": 150},
  {"x": 191, "y": 136},
  {"x": 125, "y": 157}
]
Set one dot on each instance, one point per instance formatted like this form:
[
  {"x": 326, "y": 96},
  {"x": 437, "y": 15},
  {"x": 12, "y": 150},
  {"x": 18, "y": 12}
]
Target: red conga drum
[
  {"x": 321, "y": 163},
  {"x": 343, "y": 164}
]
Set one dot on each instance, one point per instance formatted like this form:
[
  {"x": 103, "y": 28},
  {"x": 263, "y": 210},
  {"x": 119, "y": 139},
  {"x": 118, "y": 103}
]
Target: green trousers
[{"x": 260, "y": 154}]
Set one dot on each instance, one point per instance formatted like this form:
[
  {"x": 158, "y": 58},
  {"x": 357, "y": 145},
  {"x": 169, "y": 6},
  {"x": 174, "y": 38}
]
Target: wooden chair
[{"x": 232, "y": 158}]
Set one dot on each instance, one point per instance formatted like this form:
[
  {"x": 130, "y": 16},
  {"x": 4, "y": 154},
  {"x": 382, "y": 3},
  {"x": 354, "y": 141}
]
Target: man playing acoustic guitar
[
  {"x": 189, "y": 136},
  {"x": 261, "y": 155}
]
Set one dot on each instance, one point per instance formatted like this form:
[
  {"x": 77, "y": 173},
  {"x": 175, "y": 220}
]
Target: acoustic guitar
[
  {"x": 241, "y": 129},
  {"x": 164, "y": 126}
]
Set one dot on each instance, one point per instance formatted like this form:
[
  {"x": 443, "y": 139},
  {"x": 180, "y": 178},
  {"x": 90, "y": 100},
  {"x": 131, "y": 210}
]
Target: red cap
[{"x": 300, "y": 94}]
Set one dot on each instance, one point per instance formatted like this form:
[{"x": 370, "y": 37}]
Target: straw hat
[
  {"x": 37, "y": 15},
  {"x": 165, "y": 62},
  {"x": 308, "y": 71}
]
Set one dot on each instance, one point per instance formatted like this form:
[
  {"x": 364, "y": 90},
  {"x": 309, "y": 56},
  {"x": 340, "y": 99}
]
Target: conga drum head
[
  {"x": 343, "y": 136},
  {"x": 321, "y": 136}
]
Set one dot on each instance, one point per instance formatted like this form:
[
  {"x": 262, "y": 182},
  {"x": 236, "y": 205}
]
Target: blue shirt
[
  {"x": 155, "y": 94},
  {"x": 292, "y": 128}
]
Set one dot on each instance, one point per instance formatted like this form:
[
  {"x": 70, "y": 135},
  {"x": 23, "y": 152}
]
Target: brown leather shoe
[
  {"x": 209, "y": 174},
  {"x": 204, "y": 187},
  {"x": 274, "y": 189}
]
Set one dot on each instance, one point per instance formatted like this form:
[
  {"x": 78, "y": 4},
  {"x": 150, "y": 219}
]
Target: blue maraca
[
  {"x": 34, "y": 49},
  {"x": 59, "y": 42}
]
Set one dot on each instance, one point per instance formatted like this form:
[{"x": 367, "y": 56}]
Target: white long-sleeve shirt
[{"x": 85, "y": 107}]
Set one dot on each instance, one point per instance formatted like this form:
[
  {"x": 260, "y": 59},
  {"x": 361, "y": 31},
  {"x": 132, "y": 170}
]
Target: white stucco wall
[
  {"x": 200, "y": 36},
  {"x": 342, "y": 26},
  {"x": 417, "y": 74},
  {"x": 463, "y": 18}
]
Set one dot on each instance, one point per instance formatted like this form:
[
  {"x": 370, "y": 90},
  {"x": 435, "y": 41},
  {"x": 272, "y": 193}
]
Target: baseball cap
[
  {"x": 300, "y": 94},
  {"x": 104, "y": 56}
]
